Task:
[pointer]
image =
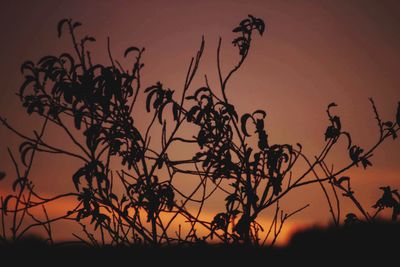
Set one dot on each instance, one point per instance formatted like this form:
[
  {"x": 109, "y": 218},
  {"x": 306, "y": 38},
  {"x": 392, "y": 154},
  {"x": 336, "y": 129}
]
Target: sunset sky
[{"x": 313, "y": 52}]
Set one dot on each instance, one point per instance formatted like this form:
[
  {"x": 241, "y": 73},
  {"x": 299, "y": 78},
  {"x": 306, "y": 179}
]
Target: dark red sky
[{"x": 313, "y": 53}]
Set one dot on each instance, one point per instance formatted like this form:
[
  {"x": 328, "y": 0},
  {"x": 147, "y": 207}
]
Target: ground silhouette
[{"x": 376, "y": 242}]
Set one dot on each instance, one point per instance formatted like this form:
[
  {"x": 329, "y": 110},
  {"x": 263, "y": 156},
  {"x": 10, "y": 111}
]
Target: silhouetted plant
[{"x": 94, "y": 105}]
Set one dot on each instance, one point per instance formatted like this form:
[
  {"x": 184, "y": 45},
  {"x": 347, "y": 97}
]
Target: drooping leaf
[
  {"x": 70, "y": 59},
  {"x": 77, "y": 175},
  {"x": 27, "y": 65},
  {"x": 47, "y": 61},
  {"x": 78, "y": 119},
  {"x": 300, "y": 146},
  {"x": 238, "y": 29},
  {"x": 131, "y": 49},
  {"x": 243, "y": 122},
  {"x": 160, "y": 111},
  {"x": 348, "y": 139},
  {"x": 333, "y": 104},
  {"x": 148, "y": 99},
  {"x": 28, "y": 79},
  {"x": 156, "y": 90},
  {"x": 5, "y": 204},
  {"x": 175, "y": 109},
  {"x": 76, "y": 24},
  {"x": 60, "y": 26},
  {"x": 365, "y": 162},
  {"x": 24, "y": 148}
]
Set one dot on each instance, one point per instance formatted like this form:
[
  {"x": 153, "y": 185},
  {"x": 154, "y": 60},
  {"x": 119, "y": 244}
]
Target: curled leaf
[
  {"x": 348, "y": 139},
  {"x": 27, "y": 65},
  {"x": 259, "y": 111},
  {"x": 24, "y": 148},
  {"x": 60, "y": 26},
  {"x": 76, "y": 177},
  {"x": 333, "y": 104},
  {"x": 131, "y": 49},
  {"x": 5, "y": 203},
  {"x": 243, "y": 122}
]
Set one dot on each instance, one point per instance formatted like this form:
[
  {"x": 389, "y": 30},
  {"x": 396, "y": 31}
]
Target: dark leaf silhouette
[
  {"x": 243, "y": 121},
  {"x": 60, "y": 26},
  {"x": 333, "y": 104},
  {"x": 88, "y": 39},
  {"x": 365, "y": 162},
  {"x": 355, "y": 154},
  {"x": 27, "y": 65},
  {"x": 24, "y": 148},
  {"x": 2, "y": 175},
  {"x": 131, "y": 49},
  {"x": 76, "y": 24},
  {"x": 78, "y": 119},
  {"x": 77, "y": 176},
  {"x": 4, "y": 205}
]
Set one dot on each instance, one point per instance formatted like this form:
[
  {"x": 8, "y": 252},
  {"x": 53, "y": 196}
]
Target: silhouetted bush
[{"x": 94, "y": 104}]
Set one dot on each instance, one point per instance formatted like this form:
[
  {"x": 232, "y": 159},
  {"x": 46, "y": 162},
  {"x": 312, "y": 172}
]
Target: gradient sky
[{"x": 313, "y": 53}]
